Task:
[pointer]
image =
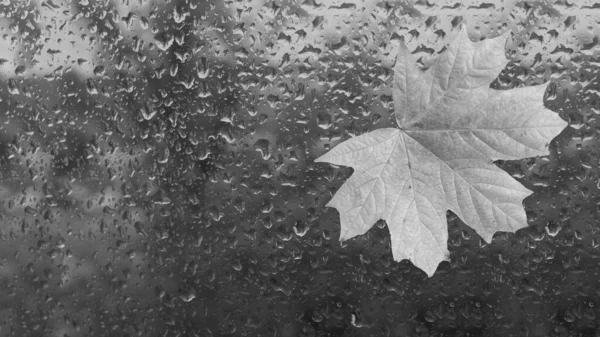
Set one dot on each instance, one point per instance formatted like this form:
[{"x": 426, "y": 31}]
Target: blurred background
[{"x": 157, "y": 175}]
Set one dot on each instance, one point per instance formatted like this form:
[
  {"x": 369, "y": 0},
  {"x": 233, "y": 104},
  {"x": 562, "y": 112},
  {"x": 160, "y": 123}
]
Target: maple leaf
[{"x": 452, "y": 127}]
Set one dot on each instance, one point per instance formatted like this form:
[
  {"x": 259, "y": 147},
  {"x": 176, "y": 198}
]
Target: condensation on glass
[{"x": 158, "y": 177}]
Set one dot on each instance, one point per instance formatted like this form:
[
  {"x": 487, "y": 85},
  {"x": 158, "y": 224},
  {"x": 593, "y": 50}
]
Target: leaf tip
[
  {"x": 321, "y": 159},
  {"x": 505, "y": 35},
  {"x": 463, "y": 32},
  {"x": 487, "y": 237},
  {"x": 344, "y": 236},
  {"x": 430, "y": 273}
]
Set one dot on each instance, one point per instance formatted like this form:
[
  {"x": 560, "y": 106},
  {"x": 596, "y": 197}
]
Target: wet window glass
[{"x": 158, "y": 176}]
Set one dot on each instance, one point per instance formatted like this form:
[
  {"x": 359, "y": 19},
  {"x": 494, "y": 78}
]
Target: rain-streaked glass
[{"x": 157, "y": 174}]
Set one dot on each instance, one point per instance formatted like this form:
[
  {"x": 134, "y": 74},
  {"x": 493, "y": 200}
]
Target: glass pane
[{"x": 158, "y": 174}]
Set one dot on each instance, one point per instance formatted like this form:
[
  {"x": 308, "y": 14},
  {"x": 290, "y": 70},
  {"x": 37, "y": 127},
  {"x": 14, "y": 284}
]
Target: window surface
[{"x": 158, "y": 176}]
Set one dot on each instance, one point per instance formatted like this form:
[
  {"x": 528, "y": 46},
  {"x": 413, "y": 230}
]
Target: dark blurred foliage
[{"x": 158, "y": 176}]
